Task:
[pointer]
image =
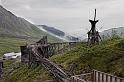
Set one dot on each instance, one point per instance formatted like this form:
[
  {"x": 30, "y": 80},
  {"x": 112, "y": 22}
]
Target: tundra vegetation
[{"x": 107, "y": 56}]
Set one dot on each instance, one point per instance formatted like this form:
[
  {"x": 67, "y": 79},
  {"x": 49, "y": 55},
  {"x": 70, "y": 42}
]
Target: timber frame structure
[
  {"x": 45, "y": 50},
  {"x": 39, "y": 52},
  {"x": 93, "y": 35}
]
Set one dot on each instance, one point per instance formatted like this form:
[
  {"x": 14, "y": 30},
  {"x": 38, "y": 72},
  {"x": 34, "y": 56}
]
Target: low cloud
[{"x": 69, "y": 15}]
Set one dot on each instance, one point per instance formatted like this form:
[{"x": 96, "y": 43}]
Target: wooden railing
[
  {"x": 47, "y": 49},
  {"x": 60, "y": 48},
  {"x": 81, "y": 78},
  {"x": 76, "y": 79},
  {"x": 98, "y": 76}
]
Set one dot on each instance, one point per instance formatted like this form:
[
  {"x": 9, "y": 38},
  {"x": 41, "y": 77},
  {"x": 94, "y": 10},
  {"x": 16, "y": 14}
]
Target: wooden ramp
[{"x": 60, "y": 75}]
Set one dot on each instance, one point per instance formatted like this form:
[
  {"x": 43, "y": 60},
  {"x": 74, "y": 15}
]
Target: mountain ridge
[
  {"x": 13, "y": 26},
  {"x": 118, "y": 31},
  {"x": 58, "y": 33}
]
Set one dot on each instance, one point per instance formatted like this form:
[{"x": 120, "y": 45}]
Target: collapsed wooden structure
[
  {"x": 38, "y": 54},
  {"x": 45, "y": 50}
]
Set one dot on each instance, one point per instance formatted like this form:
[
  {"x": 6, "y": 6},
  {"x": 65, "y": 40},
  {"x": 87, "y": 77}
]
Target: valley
[{"x": 49, "y": 54}]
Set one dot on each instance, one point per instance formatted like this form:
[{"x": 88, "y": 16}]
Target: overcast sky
[{"x": 69, "y": 15}]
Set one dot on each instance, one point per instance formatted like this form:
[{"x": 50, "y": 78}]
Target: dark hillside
[{"x": 13, "y": 26}]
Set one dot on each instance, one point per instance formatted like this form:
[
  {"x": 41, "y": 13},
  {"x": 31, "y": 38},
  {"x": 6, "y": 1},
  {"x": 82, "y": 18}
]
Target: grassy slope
[
  {"x": 10, "y": 44},
  {"x": 36, "y": 32},
  {"x": 107, "y": 57},
  {"x": 23, "y": 73},
  {"x": 13, "y": 44}
]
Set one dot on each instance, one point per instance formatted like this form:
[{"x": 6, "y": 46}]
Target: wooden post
[
  {"x": 58, "y": 47},
  {"x": 1, "y": 69},
  {"x": 24, "y": 54},
  {"x": 29, "y": 57},
  {"x": 102, "y": 77},
  {"x": 45, "y": 40},
  {"x": 54, "y": 48},
  {"x": 71, "y": 45},
  {"x": 106, "y": 78},
  {"x": 115, "y": 79},
  {"x": 120, "y": 80},
  {"x": 64, "y": 48},
  {"x": 47, "y": 54},
  {"x": 60, "y": 51},
  {"x": 99, "y": 77},
  {"x": 110, "y": 78},
  {"x": 51, "y": 49},
  {"x": 75, "y": 44},
  {"x": 92, "y": 76}
]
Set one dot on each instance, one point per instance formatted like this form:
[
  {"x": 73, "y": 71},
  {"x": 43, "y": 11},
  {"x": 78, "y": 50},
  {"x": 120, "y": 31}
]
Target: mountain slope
[
  {"x": 114, "y": 31},
  {"x": 105, "y": 33},
  {"x": 57, "y": 33},
  {"x": 11, "y": 25},
  {"x": 53, "y": 30}
]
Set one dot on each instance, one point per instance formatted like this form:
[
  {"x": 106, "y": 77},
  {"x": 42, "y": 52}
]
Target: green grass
[
  {"x": 14, "y": 72},
  {"x": 25, "y": 74},
  {"x": 107, "y": 57},
  {"x": 13, "y": 44},
  {"x": 10, "y": 45}
]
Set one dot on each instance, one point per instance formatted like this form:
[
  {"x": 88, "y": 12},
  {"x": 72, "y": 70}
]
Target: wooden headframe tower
[{"x": 93, "y": 35}]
